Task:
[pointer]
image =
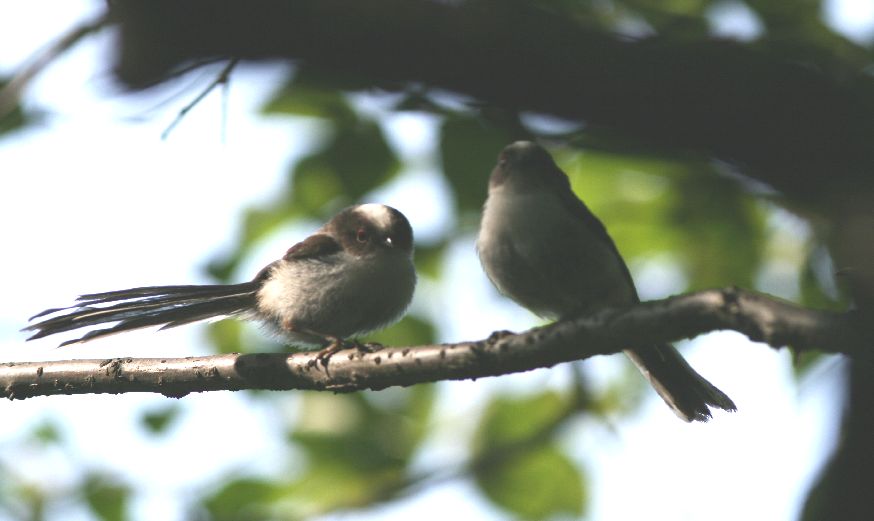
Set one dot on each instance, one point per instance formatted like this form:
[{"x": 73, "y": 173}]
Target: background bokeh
[{"x": 93, "y": 198}]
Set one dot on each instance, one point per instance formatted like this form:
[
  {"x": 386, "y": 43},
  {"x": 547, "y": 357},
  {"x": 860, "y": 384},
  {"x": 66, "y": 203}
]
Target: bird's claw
[{"x": 338, "y": 344}]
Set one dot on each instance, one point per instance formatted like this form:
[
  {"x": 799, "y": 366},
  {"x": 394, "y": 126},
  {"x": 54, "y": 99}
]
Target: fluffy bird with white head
[{"x": 353, "y": 275}]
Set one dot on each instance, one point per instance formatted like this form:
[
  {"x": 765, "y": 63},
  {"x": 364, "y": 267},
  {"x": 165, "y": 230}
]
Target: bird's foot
[
  {"x": 338, "y": 344},
  {"x": 322, "y": 357}
]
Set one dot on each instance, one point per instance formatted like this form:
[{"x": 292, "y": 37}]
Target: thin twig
[
  {"x": 10, "y": 94},
  {"x": 222, "y": 79}
]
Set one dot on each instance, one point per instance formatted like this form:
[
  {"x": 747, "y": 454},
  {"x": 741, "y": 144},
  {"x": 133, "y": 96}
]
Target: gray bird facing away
[
  {"x": 542, "y": 247},
  {"x": 353, "y": 275}
]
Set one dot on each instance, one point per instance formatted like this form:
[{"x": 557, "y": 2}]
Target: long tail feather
[
  {"x": 680, "y": 386},
  {"x": 135, "y": 308}
]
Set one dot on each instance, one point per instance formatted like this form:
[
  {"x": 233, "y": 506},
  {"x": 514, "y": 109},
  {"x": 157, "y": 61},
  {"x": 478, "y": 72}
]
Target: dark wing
[
  {"x": 578, "y": 208},
  {"x": 314, "y": 246}
]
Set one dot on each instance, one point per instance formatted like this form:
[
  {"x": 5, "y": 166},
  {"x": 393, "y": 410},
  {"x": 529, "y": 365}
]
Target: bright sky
[{"x": 94, "y": 200}]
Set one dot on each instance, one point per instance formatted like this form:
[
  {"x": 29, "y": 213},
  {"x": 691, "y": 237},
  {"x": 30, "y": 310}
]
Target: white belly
[{"x": 337, "y": 298}]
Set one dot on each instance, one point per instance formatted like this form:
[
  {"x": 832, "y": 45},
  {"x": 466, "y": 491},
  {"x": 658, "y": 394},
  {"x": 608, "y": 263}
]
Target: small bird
[
  {"x": 542, "y": 247},
  {"x": 353, "y": 275}
]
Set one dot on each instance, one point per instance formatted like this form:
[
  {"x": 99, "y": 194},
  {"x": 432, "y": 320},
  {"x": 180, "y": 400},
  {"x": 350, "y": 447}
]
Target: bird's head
[
  {"x": 371, "y": 228},
  {"x": 525, "y": 165}
]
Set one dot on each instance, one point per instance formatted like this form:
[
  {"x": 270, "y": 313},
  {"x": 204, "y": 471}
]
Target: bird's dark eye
[{"x": 361, "y": 235}]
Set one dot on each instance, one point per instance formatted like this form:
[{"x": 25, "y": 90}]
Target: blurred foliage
[
  {"x": 241, "y": 498},
  {"x": 23, "y": 497},
  {"x": 468, "y": 146},
  {"x": 354, "y": 159},
  {"x": 358, "y": 450},
  {"x": 652, "y": 206},
  {"x": 14, "y": 119},
  {"x": 712, "y": 225},
  {"x": 410, "y": 331},
  {"x": 159, "y": 419},
  {"x": 429, "y": 259},
  {"x": 47, "y": 432},
  {"x": 226, "y": 336},
  {"x": 517, "y": 465},
  {"x": 540, "y": 483},
  {"x": 107, "y": 499},
  {"x": 354, "y": 451}
]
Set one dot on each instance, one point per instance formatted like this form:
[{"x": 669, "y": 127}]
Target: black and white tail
[
  {"x": 135, "y": 308},
  {"x": 683, "y": 389}
]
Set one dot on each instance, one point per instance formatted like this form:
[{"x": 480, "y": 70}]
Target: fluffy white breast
[{"x": 341, "y": 295}]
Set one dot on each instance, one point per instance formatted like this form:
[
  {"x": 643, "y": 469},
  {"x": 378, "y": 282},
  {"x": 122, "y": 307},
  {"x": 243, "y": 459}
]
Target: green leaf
[
  {"x": 684, "y": 209},
  {"x": 360, "y": 446},
  {"x": 106, "y": 498},
  {"x": 355, "y": 161},
  {"x": 534, "y": 484},
  {"x": 158, "y": 420},
  {"x": 47, "y": 432},
  {"x": 723, "y": 229},
  {"x": 518, "y": 467},
  {"x": 326, "y": 488},
  {"x": 429, "y": 259},
  {"x": 316, "y": 184},
  {"x": 469, "y": 149},
  {"x": 368, "y": 431},
  {"x": 248, "y": 499},
  {"x": 226, "y": 336},
  {"x": 410, "y": 331},
  {"x": 501, "y": 425},
  {"x": 330, "y": 426},
  {"x": 309, "y": 96},
  {"x": 630, "y": 194}
]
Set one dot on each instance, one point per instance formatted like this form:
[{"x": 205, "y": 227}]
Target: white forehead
[
  {"x": 522, "y": 145},
  {"x": 377, "y": 213}
]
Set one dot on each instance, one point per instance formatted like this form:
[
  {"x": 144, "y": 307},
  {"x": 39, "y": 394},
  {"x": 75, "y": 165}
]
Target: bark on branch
[{"x": 759, "y": 317}]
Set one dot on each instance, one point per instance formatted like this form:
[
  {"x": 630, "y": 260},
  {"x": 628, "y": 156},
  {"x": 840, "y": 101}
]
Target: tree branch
[
  {"x": 784, "y": 121},
  {"x": 759, "y": 317}
]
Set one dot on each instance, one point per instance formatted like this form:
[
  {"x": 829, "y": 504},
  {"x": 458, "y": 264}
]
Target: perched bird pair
[{"x": 539, "y": 245}]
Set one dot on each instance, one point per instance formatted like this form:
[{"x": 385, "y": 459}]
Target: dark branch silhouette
[
  {"x": 801, "y": 124},
  {"x": 759, "y": 317},
  {"x": 784, "y": 121}
]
